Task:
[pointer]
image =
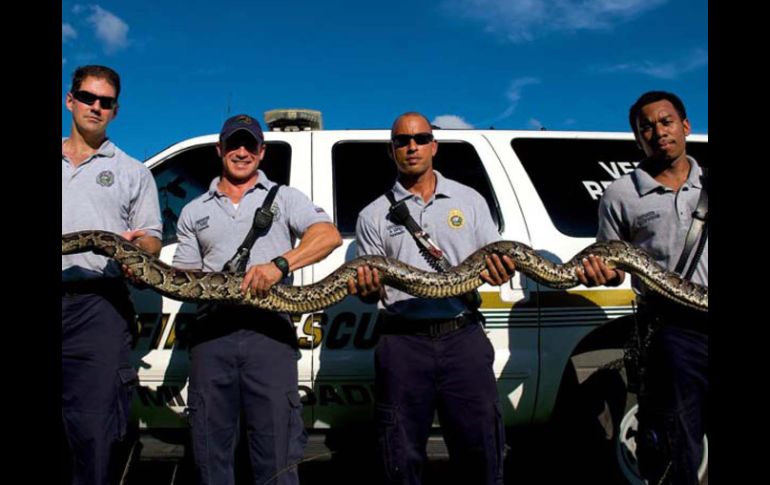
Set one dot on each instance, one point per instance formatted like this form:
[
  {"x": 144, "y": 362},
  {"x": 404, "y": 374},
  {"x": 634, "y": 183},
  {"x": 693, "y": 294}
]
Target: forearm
[{"x": 318, "y": 242}]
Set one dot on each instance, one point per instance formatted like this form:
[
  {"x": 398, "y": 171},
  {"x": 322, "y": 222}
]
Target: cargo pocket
[
  {"x": 499, "y": 442},
  {"x": 197, "y": 418},
  {"x": 390, "y": 441},
  {"x": 126, "y": 382},
  {"x": 297, "y": 436}
]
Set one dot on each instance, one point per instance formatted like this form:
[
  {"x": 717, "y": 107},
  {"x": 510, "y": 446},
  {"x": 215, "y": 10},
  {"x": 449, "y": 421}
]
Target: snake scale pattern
[{"x": 225, "y": 287}]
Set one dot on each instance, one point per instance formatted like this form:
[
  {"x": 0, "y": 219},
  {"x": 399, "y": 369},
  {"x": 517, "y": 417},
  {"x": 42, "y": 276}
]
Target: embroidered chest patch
[
  {"x": 395, "y": 230},
  {"x": 275, "y": 210},
  {"x": 105, "y": 178},
  {"x": 646, "y": 218},
  {"x": 202, "y": 224},
  {"x": 456, "y": 219}
]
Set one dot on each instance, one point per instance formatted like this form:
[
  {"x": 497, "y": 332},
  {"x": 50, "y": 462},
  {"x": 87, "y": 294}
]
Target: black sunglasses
[
  {"x": 243, "y": 139},
  {"x": 404, "y": 140},
  {"x": 106, "y": 102}
]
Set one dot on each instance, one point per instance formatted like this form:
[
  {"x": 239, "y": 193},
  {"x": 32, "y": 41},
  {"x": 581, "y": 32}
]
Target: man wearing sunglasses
[
  {"x": 433, "y": 355},
  {"x": 244, "y": 360},
  {"x": 102, "y": 188}
]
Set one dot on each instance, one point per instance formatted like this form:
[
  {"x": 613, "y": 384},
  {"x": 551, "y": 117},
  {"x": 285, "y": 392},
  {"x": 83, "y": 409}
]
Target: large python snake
[{"x": 225, "y": 287}]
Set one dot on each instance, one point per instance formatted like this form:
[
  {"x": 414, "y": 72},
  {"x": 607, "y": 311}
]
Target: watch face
[{"x": 282, "y": 264}]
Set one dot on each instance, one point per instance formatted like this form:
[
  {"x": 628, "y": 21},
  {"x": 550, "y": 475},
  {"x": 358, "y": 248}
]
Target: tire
[
  {"x": 625, "y": 449},
  {"x": 600, "y": 415}
]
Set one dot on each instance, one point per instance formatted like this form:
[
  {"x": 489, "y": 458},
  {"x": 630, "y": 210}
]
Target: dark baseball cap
[{"x": 241, "y": 122}]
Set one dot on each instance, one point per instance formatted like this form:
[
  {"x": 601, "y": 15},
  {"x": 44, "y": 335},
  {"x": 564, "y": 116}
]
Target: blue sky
[{"x": 515, "y": 64}]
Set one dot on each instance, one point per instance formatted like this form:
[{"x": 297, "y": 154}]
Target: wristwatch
[{"x": 282, "y": 264}]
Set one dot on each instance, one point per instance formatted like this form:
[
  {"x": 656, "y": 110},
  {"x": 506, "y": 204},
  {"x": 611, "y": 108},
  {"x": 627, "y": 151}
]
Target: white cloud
[
  {"x": 451, "y": 121},
  {"x": 696, "y": 59},
  {"x": 109, "y": 28},
  {"x": 67, "y": 32},
  {"x": 535, "y": 124},
  {"x": 513, "y": 94},
  {"x": 523, "y": 20},
  {"x": 514, "y": 91}
]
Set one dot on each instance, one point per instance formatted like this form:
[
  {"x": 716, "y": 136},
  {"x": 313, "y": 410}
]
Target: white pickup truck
[{"x": 542, "y": 189}]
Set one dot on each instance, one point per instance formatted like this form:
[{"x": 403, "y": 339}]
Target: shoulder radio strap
[
  {"x": 263, "y": 218},
  {"x": 399, "y": 213},
  {"x": 698, "y": 230}
]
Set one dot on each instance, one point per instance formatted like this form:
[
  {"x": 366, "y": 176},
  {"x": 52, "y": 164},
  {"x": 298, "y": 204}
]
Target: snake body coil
[{"x": 225, "y": 287}]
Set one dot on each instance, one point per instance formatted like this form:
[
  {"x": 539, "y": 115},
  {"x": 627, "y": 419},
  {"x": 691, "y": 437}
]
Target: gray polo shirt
[
  {"x": 210, "y": 228},
  {"x": 458, "y": 220},
  {"x": 637, "y": 209},
  {"x": 109, "y": 191}
]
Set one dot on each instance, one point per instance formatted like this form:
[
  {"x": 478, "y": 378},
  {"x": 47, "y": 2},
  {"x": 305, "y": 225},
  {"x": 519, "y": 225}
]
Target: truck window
[
  {"x": 362, "y": 171},
  {"x": 571, "y": 174},
  {"x": 186, "y": 175}
]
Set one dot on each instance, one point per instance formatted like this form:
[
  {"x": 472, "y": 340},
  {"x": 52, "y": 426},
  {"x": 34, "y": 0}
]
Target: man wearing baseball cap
[{"x": 244, "y": 360}]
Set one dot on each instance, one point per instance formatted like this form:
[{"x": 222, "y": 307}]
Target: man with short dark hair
[
  {"x": 653, "y": 208},
  {"x": 102, "y": 188},
  {"x": 244, "y": 360},
  {"x": 433, "y": 355}
]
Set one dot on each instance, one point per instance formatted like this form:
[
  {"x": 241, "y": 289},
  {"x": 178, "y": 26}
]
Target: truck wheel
[
  {"x": 599, "y": 400},
  {"x": 625, "y": 448}
]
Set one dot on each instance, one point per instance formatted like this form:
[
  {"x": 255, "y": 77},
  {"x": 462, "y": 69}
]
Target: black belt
[
  {"x": 218, "y": 320},
  {"x": 427, "y": 327},
  {"x": 97, "y": 286},
  {"x": 665, "y": 312}
]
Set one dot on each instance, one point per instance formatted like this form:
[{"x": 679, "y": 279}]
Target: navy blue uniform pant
[
  {"x": 673, "y": 405},
  {"x": 452, "y": 375},
  {"x": 251, "y": 371},
  {"x": 97, "y": 379}
]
